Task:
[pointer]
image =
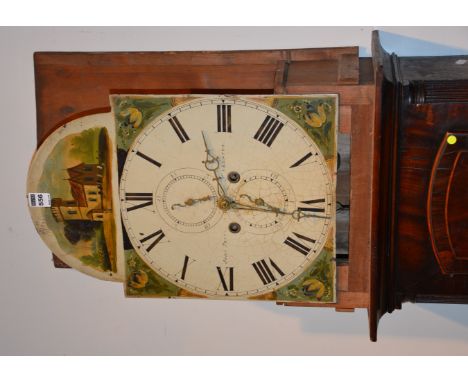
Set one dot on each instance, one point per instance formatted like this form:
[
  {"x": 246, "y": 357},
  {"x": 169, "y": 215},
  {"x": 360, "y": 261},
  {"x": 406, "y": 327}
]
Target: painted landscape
[{"x": 81, "y": 213}]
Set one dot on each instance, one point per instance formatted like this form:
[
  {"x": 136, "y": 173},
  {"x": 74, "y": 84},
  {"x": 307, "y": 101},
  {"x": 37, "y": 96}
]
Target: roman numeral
[
  {"x": 228, "y": 285},
  {"x": 184, "y": 268},
  {"x": 224, "y": 118},
  {"x": 268, "y": 131},
  {"x": 146, "y": 157},
  {"x": 265, "y": 272},
  {"x": 183, "y": 272},
  {"x": 139, "y": 196},
  {"x": 300, "y": 161},
  {"x": 312, "y": 209},
  {"x": 297, "y": 245},
  {"x": 179, "y": 130},
  {"x": 158, "y": 236}
]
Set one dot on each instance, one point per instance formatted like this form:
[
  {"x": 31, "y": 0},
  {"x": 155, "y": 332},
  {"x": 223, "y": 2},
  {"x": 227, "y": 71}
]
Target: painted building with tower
[{"x": 86, "y": 184}]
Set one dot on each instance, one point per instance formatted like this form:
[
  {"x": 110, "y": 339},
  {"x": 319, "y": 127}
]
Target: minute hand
[
  {"x": 296, "y": 214},
  {"x": 240, "y": 206}
]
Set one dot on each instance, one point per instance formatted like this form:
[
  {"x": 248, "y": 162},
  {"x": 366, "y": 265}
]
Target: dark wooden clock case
[
  {"x": 422, "y": 250},
  {"x": 406, "y": 187}
]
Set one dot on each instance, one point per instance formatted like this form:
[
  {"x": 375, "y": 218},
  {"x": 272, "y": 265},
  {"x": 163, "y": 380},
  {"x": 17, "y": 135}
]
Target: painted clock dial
[{"x": 226, "y": 197}]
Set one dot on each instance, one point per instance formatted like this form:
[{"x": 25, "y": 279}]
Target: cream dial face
[{"x": 226, "y": 197}]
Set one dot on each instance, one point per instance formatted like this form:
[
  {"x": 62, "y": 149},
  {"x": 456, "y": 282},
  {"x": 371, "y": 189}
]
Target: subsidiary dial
[
  {"x": 186, "y": 200},
  {"x": 262, "y": 192}
]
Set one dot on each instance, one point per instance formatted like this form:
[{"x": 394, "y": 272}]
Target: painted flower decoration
[
  {"x": 133, "y": 115},
  {"x": 138, "y": 279},
  {"x": 312, "y": 287},
  {"x": 317, "y": 119}
]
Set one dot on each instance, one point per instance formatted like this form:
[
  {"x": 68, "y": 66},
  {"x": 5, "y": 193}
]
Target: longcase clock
[{"x": 308, "y": 177}]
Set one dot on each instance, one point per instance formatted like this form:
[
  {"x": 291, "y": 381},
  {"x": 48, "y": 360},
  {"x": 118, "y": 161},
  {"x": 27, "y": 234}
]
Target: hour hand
[
  {"x": 192, "y": 201},
  {"x": 298, "y": 215},
  {"x": 260, "y": 205},
  {"x": 260, "y": 202}
]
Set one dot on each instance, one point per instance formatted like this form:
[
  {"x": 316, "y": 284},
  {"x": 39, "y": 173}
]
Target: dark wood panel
[
  {"x": 457, "y": 207},
  {"x": 447, "y": 204},
  {"x": 423, "y": 129},
  {"x": 443, "y": 68},
  {"x": 422, "y": 100}
]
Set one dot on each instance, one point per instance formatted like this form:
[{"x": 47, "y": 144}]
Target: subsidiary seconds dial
[{"x": 227, "y": 197}]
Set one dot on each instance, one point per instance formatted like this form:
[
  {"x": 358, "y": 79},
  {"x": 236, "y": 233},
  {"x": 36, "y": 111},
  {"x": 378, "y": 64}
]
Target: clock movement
[{"x": 309, "y": 177}]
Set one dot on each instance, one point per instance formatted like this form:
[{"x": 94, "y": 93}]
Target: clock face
[{"x": 224, "y": 196}]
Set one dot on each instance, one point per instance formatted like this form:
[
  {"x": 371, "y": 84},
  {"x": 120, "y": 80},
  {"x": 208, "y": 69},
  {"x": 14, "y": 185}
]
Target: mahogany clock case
[
  {"x": 423, "y": 221},
  {"x": 388, "y": 255}
]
